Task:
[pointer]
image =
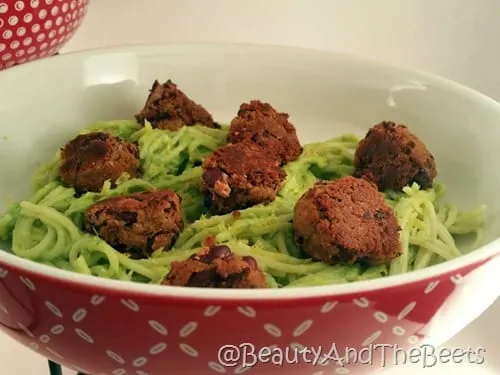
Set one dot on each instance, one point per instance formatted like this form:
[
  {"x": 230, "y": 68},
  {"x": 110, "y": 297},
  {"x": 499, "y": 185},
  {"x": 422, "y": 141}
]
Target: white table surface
[{"x": 455, "y": 38}]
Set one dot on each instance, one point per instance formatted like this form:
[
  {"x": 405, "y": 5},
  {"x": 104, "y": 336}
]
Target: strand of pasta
[{"x": 47, "y": 227}]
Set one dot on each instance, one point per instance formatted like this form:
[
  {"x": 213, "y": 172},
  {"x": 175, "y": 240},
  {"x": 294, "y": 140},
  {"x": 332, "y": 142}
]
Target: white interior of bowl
[{"x": 43, "y": 105}]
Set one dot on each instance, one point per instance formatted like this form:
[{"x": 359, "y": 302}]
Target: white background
[{"x": 458, "y": 39}]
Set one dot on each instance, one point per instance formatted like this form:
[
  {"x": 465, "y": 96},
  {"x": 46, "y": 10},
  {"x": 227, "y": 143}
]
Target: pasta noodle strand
[{"x": 47, "y": 227}]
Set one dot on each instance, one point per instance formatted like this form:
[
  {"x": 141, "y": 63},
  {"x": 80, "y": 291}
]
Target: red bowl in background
[
  {"x": 99, "y": 326},
  {"x": 34, "y": 29}
]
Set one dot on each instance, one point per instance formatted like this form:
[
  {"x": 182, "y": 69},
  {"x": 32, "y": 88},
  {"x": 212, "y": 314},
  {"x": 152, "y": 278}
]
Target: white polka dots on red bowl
[
  {"x": 33, "y": 29},
  {"x": 91, "y": 332}
]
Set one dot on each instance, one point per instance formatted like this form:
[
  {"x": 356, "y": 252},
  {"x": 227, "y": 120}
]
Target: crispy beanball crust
[
  {"x": 261, "y": 124},
  {"x": 346, "y": 221},
  {"x": 216, "y": 267},
  {"x": 138, "y": 223},
  {"x": 238, "y": 176},
  {"x": 392, "y": 157},
  {"x": 169, "y": 108},
  {"x": 90, "y": 159}
]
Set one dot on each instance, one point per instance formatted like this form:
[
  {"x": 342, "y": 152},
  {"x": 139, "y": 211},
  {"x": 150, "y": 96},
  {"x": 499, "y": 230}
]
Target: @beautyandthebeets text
[{"x": 379, "y": 355}]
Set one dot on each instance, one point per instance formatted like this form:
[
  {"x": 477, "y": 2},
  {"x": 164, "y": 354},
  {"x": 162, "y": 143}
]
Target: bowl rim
[{"x": 77, "y": 280}]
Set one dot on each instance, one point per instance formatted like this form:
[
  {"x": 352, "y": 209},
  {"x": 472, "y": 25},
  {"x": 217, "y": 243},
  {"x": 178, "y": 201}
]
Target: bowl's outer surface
[
  {"x": 97, "y": 332},
  {"x": 33, "y": 29},
  {"x": 97, "y": 328}
]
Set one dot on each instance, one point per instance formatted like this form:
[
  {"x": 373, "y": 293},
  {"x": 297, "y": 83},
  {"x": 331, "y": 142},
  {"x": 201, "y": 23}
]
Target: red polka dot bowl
[
  {"x": 34, "y": 29},
  {"x": 99, "y": 326}
]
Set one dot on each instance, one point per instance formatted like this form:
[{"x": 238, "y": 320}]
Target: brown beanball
[
  {"x": 169, "y": 108},
  {"x": 238, "y": 176},
  {"x": 261, "y": 124},
  {"x": 216, "y": 267},
  {"x": 90, "y": 159},
  {"x": 138, "y": 223},
  {"x": 392, "y": 157},
  {"x": 346, "y": 221}
]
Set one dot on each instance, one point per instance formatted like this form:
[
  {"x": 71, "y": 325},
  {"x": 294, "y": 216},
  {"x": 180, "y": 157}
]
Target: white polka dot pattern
[
  {"x": 188, "y": 329},
  {"x": 241, "y": 369},
  {"x": 372, "y": 338},
  {"x": 3, "y": 272},
  {"x": 84, "y": 335},
  {"x": 182, "y": 337},
  {"x": 7, "y": 34},
  {"x": 44, "y": 339},
  {"x": 27, "y": 281},
  {"x": 189, "y": 350},
  {"x": 130, "y": 304},
  {"x": 79, "y": 315},
  {"x": 272, "y": 330},
  {"x": 361, "y": 302},
  {"x": 211, "y": 310},
  {"x": 302, "y": 328},
  {"x": 158, "y": 327},
  {"x": 328, "y": 306},
  {"x": 53, "y": 309},
  {"x": 397, "y": 330},
  {"x": 217, "y": 367},
  {"x": 158, "y": 348},
  {"x": 247, "y": 311},
  {"x": 139, "y": 362},
  {"x": 32, "y": 22},
  {"x": 431, "y": 286},
  {"x": 380, "y": 316},
  {"x": 97, "y": 300},
  {"x": 57, "y": 329},
  {"x": 407, "y": 310},
  {"x": 25, "y": 330},
  {"x": 115, "y": 357}
]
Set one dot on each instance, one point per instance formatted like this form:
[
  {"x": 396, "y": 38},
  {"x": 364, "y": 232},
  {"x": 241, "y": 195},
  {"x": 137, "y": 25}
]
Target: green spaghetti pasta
[
  {"x": 165, "y": 153},
  {"x": 125, "y": 129},
  {"x": 47, "y": 227}
]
